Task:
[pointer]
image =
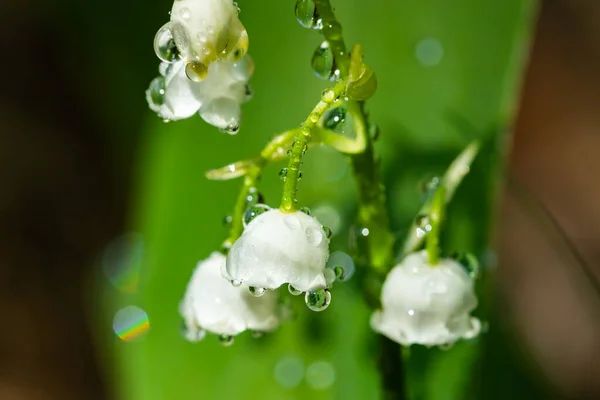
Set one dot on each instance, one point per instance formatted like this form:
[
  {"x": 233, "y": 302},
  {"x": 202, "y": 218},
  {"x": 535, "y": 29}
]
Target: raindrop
[
  {"x": 293, "y": 290},
  {"x": 314, "y": 236},
  {"x": 423, "y": 225},
  {"x": 236, "y": 283},
  {"x": 192, "y": 334},
  {"x": 323, "y": 61},
  {"x": 306, "y": 14},
  {"x": 227, "y": 221},
  {"x": 428, "y": 186},
  {"x": 429, "y": 52},
  {"x": 226, "y": 340},
  {"x": 254, "y": 212},
  {"x": 248, "y": 92},
  {"x": 469, "y": 263},
  {"x": 305, "y": 210},
  {"x": 292, "y": 222},
  {"x": 283, "y": 173},
  {"x": 335, "y": 118},
  {"x": 318, "y": 300},
  {"x": 131, "y": 323},
  {"x": 157, "y": 91},
  {"x": 256, "y": 291},
  {"x": 342, "y": 264},
  {"x": 224, "y": 113},
  {"x": 196, "y": 71},
  {"x": 257, "y": 334},
  {"x": 164, "y": 45},
  {"x": 327, "y": 230},
  {"x": 185, "y": 13}
]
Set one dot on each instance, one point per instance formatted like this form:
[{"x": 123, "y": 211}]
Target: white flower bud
[
  {"x": 278, "y": 248},
  {"x": 428, "y": 305},
  {"x": 205, "y": 31},
  {"x": 211, "y": 303}
]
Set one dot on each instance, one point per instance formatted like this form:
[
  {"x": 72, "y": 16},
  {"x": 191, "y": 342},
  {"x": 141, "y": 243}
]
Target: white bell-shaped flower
[
  {"x": 425, "y": 304},
  {"x": 211, "y": 303},
  {"x": 278, "y": 248},
  {"x": 217, "y": 98}
]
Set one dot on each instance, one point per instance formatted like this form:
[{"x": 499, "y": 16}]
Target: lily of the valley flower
[
  {"x": 278, "y": 248},
  {"x": 212, "y": 304},
  {"x": 428, "y": 305},
  {"x": 217, "y": 98}
]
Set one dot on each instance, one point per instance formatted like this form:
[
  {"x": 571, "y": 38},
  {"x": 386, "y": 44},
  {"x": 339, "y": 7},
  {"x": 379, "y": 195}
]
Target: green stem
[
  {"x": 301, "y": 139},
  {"x": 237, "y": 221},
  {"x": 332, "y": 32},
  {"x": 436, "y": 217}
]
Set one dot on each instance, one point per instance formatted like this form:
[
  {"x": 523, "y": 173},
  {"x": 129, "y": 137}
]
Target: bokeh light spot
[
  {"x": 289, "y": 371},
  {"x": 429, "y": 52},
  {"x": 320, "y": 375},
  {"x": 131, "y": 323}
]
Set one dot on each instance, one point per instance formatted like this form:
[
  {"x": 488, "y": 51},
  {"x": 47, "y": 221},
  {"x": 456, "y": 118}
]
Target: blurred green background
[{"x": 448, "y": 72}]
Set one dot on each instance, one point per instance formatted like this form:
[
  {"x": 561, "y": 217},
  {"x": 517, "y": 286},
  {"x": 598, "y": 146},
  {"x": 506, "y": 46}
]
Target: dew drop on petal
[
  {"x": 253, "y": 212},
  {"x": 236, "y": 283},
  {"x": 293, "y": 290},
  {"x": 226, "y": 340},
  {"x": 185, "y": 13},
  {"x": 327, "y": 230},
  {"x": 196, "y": 71},
  {"x": 256, "y": 291},
  {"x": 314, "y": 236},
  {"x": 305, "y": 210},
  {"x": 318, "y": 300},
  {"x": 224, "y": 113},
  {"x": 292, "y": 222},
  {"x": 164, "y": 45},
  {"x": 193, "y": 335},
  {"x": 157, "y": 91},
  {"x": 342, "y": 264},
  {"x": 323, "y": 61}
]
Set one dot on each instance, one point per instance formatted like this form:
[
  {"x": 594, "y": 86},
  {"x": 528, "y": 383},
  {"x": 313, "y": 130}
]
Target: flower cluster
[{"x": 205, "y": 67}]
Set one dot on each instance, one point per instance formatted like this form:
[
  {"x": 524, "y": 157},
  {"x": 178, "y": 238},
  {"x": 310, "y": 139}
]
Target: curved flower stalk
[
  {"x": 278, "y": 248},
  {"x": 205, "y": 64},
  {"x": 427, "y": 304},
  {"x": 212, "y": 304}
]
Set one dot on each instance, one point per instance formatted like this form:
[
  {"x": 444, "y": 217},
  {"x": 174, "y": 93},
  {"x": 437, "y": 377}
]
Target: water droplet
[
  {"x": 224, "y": 113},
  {"x": 157, "y": 91},
  {"x": 248, "y": 92},
  {"x": 193, "y": 335},
  {"x": 469, "y": 263},
  {"x": 335, "y": 118},
  {"x": 283, "y": 173},
  {"x": 374, "y": 132},
  {"x": 226, "y": 340},
  {"x": 327, "y": 230},
  {"x": 196, "y": 71},
  {"x": 318, "y": 300},
  {"x": 332, "y": 30},
  {"x": 342, "y": 265},
  {"x": 429, "y": 52},
  {"x": 292, "y": 222},
  {"x": 323, "y": 61},
  {"x": 306, "y": 13},
  {"x": 314, "y": 118},
  {"x": 293, "y": 290},
  {"x": 300, "y": 172},
  {"x": 253, "y": 212},
  {"x": 164, "y": 45},
  {"x": 236, "y": 283},
  {"x": 227, "y": 221},
  {"x": 429, "y": 185},
  {"x": 314, "y": 236},
  {"x": 185, "y": 13},
  {"x": 226, "y": 246},
  {"x": 423, "y": 225},
  {"x": 256, "y": 291},
  {"x": 305, "y": 210},
  {"x": 411, "y": 313}
]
